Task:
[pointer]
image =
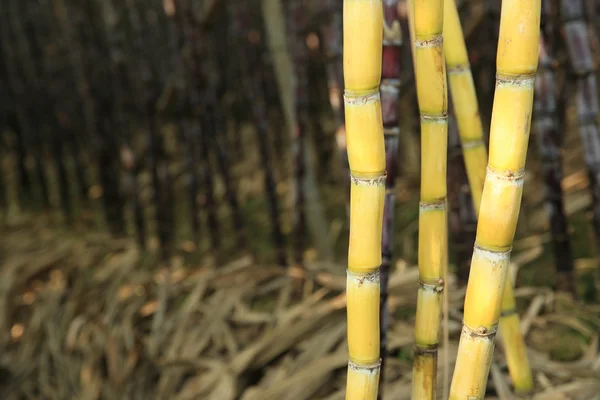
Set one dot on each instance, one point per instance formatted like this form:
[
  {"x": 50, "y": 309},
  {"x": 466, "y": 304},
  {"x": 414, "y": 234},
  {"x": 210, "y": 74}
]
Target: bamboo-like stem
[
  {"x": 250, "y": 72},
  {"x": 464, "y": 99},
  {"x": 297, "y": 44},
  {"x": 161, "y": 182},
  {"x": 515, "y": 350},
  {"x": 433, "y": 236},
  {"x": 190, "y": 128},
  {"x": 24, "y": 76},
  {"x": 107, "y": 159},
  {"x": 582, "y": 66},
  {"x": 331, "y": 32},
  {"x": 190, "y": 133},
  {"x": 210, "y": 204},
  {"x": 475, "y": 156},
  {"x": 462, "y": 220},
  {"x": 501, "y": 199},
  {"x": 219, "y": 41},
  {"x": 56, "y": 126},
  {"x": 390, "y": 93},
  {"x": 548, "y": 128},
  {"x": 79, "y": 104},
  {"x": 362, "y": 57}
]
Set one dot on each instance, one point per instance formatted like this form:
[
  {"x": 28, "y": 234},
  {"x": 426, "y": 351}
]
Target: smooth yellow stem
[
  {"x": 366, "y": 211},
  {"x": 514, "y": 345},
  {"x": 465, "y": 103},
  {"x": 430, "y": 69},
  {"x": 364, "y": 133},
  {"x": 363, "y": 41},
  {"x": 501, "y": 198}
]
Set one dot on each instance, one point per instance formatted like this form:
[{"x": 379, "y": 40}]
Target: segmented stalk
[
  {"x": 362, "y": 58},
  {"x": 462, "y": 220},
  {"x": 475, "y": 156},
  {"x": 502, "y": 191},
  {"x": 433, "y": 236},
  {"x": 250, "y": 72},
  {"x": 331, "y": 33},
  {"x": 548, "y": 129},
  {"x": 582, "y": 65},
  {"x": 464, "y": 99},
  {"x": 390, "y": 93},
  {"x": 297, "y": 44}
]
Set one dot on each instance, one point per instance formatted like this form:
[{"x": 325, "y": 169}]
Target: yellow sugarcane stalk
[
  {"x": 466, "y": 109},
  {"x": 501, "y": 200},
  {"x": 465, "y": 103},
  {"x": 433, "y": 237},
  {"x": 363, "y": 39},
  {"x": 514, "y": 345}
]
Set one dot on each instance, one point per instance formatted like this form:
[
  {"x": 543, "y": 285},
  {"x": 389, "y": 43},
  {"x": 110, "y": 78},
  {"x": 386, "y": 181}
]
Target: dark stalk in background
[
  {"x": 4, "y": 105},
  {"x": 210, "y": 204},
  {"x": 224, "y": 151},
  {"x": 76, "y": 116},
  {"x": 390, "y": 93},
  {"x": 43, "y": 29},
  {"x": 575, "y": 33},
  {"x": 96, "y": 53},
  {"x": 27, "y": 81},
  {"x": 189, "y": 126},
  {"x": 250, "y": 67},
  {"x": 156, "y": 157},
  {"x": 297, "y": 21},
  {"x": 202, "y": 101},
  {"x": 230, "y": 188},
  {"x": 9, "y": 122},
  {"x": 331, "y": 33},
  {"x": 548, "y": 128}
]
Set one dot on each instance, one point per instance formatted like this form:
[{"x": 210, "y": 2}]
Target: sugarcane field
[{"x": 299, "y": 199}]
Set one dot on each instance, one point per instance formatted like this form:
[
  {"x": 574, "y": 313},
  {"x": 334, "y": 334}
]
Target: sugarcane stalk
[
  {"x": 189, "y": 125},
  {"x": 223, "y": 165},
  {"x": 157, "y": 160},
  {"x": 462, "y": 220},
  {"x": 205, "y": 101},
  {"x": 433, "y": 106},
  {"x": 9, "y": 121},
  {"x": 53, "y": 87},
  {"x": 548, "y": 128},
  {"x": 390, "y": 93},
  {"x": 331, "y": 32},
  {"x": 26, "y": 192},
  {"x": 80, "y": 103},
  {"x": 464, "y": 99},
  {"x": 223, "y": 156},
  {"x": 29, "y": 80},
  {"x": 189, "y": 134},
  {"x": 575, "y": 31},
  {"x": 297, "y": 45},
  {"x": 207, "y": 179},
  {"x": 250, "y": 73},
  {"x": 362, "y": 57},
  {"x": 475, "y": 155},
  {"x": 500, "y": 203},
  {"x": 107, "y": 148}
]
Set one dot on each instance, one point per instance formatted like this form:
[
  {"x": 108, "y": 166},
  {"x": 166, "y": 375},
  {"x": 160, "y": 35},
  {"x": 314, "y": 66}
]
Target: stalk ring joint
[
  {"x": 368, "y": 368},
  {"x": 362, "y": 277},
  {"x": 436, "y": 41},
  {"x": 368, "y": 181},
  {"x": 353, "y": 98},
  {"x": 481, "y": 332}
]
